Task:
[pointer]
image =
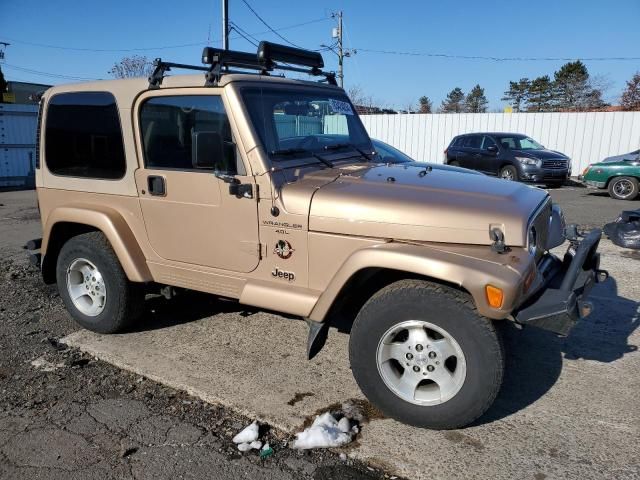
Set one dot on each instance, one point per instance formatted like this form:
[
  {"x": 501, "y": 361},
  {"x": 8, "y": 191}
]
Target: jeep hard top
[{"x": 267, "y": 190}]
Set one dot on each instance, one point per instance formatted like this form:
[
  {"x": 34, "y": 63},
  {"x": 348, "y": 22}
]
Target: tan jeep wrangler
[{"x": 267, "y": 190}]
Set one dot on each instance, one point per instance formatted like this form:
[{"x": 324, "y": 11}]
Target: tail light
[
  {"x": 586, "y": 170},
  {"x": 445, "y": 155}
]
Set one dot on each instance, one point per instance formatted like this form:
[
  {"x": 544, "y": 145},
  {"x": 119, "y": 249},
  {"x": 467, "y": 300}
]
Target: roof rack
[{"x": 265, "y": 60}]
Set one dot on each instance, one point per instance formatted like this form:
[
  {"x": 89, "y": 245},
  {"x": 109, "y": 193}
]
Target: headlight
[
  {"x": 529, "y": 161},
  {"x": 532, "y": 240}
]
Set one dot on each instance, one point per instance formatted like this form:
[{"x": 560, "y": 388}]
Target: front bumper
[
  {"x": 545, "y": 175},
  {"x": 560, "y": 300},
  {"x": 594, "y": 184}
]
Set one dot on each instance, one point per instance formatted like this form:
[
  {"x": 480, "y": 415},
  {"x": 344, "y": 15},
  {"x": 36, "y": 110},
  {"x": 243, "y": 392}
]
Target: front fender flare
[
  {"x": 113, "y": 226},
  {"x": 468, "y": 272}
]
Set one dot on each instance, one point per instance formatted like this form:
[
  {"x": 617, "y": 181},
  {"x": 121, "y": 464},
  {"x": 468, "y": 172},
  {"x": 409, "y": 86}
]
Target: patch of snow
[
  {"x": 256, "y": 445},
  {"x": 344, "y": 425},
  {"x": 248, "y": 435},
  {"x": 325, "y": 432},
  {"x": 266, "y": 446},
  {"x": 244, "y": 447},
  {"x": 45, "y": 365}
]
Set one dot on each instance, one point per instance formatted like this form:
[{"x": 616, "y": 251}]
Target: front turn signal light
[{"x": 494, "y": 296}]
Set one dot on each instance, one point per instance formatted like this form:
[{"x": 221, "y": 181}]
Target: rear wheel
[
  {"x": 454, "y": 163},
  {"x": 509, "y": 172},
  {"x": 623, "y": 188},
  {"x": 421, "y": 354},
  {"x": 94, "y": 287}
]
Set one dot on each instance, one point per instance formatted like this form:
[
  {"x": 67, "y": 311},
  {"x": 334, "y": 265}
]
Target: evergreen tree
[
  {"x": 454, "y": 103},
  {"x": 425, "y": 104},
  {"x": 476, "y": 102},
  {"x": 573, "y": 89},
  {"x": 540, "y": 95},
  {"x": 630, "y": 99},
  {"x": 518, "y": 94}
]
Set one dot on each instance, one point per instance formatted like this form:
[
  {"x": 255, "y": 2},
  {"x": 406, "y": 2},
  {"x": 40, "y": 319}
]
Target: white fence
[{"x": 586, "y": 137}]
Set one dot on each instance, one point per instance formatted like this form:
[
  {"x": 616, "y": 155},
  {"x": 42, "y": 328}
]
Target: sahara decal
[{"x": 283, "y": 249}]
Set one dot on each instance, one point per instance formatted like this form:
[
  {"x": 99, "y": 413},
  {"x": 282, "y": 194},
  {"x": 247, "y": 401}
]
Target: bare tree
[
  {"x": 630, "y": 99},
  {"x": 134, "y": 66}
]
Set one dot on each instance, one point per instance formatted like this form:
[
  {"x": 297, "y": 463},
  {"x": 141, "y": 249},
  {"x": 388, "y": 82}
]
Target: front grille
[
  {"x": 540, "y": 221},
  {"x": 555, "y": 164}
]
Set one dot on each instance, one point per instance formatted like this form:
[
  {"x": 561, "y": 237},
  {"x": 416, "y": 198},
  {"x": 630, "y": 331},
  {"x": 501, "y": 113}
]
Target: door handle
[{"x": 156, "y": 185}]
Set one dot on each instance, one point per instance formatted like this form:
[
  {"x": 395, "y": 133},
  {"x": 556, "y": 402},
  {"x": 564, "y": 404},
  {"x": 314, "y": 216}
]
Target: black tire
[
  {"x": 124, "y": 299},
  {"x": 452, "y": 311},
  {"x": 623, "y": 188},
  {"x": 509, "y": 172},
  {"x": 454, "y": 163}
]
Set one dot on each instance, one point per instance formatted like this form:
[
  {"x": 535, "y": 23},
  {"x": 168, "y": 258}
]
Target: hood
[
  {"x": 540, "y": 154},
  {"x": 405, "y": 202}
]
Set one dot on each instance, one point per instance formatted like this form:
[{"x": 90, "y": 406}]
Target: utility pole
[
  {"x": 339, "y": 50},
  {"x": 225, "y": 24}
]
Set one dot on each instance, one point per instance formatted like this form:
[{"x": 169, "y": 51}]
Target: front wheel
[
  {"x": 509, "y": 172},
  {"x": 623, "y": 188},
  {"x": 422, "y": 354}
]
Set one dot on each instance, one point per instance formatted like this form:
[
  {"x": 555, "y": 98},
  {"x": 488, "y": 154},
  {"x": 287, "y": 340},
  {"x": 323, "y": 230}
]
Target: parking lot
[{"x": 568, "y": 408}]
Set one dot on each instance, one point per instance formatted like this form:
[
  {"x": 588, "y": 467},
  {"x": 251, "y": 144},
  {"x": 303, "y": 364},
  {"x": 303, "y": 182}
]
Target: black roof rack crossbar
[
  {"x": 155, "y": 79},
  {"x": 264, "y": 61}
]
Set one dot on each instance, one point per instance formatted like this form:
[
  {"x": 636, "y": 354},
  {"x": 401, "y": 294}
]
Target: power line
[
  {"x": 164, "y": 47},
  {"x": 47, "y": 74},
  {"x": 267, "y": 25},
  {"x": 245, "y": 35},
  {"x": 495, "y": 59}
]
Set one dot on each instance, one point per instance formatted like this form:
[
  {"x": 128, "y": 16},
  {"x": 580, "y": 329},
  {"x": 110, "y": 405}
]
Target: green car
[{"x": 621, "y": 178}]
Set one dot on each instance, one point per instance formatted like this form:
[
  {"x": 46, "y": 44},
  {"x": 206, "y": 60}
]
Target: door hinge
[{"x": 262, "y": 251}]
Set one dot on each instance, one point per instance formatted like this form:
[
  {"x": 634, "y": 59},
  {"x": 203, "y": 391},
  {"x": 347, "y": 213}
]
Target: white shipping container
[{"x": 17, "y": 144}]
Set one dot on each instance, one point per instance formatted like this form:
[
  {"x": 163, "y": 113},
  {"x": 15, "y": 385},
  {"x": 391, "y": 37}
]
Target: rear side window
[
  {"x": 83, "y": 137},
  {"x": 457, "y": 142},
  {"x": 472, "y": 141}
]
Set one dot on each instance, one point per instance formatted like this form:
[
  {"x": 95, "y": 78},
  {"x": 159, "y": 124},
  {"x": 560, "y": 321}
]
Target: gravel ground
[{"x": 66, "y": 415}]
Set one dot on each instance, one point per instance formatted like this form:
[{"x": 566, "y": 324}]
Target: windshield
[
  {"x": 519, "y": 143},
  {"x": 297, "y": 121}
]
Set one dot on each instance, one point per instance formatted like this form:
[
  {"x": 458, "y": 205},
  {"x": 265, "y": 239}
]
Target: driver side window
[{"x": 170, "y": 126}]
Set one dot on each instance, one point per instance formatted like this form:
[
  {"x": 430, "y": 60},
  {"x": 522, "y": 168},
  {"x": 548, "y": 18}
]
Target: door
[
  {"x": 470, "y": 152},
  {"x": 189, "y": 212},
  {"x": 488, "y": 158}
]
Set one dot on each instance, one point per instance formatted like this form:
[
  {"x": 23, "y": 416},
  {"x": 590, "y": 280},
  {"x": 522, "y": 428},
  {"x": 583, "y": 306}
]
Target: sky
[{"x": 97, "y": 34}]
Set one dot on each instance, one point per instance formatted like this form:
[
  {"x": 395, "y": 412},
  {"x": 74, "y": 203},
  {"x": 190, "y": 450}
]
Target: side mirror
[
  {"x": 492, "y": 149},
  {"x": 206, "y": 148}
]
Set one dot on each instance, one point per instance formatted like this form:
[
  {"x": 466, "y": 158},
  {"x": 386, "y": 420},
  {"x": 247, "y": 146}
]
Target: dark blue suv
[{"x": 511, "y": 156}]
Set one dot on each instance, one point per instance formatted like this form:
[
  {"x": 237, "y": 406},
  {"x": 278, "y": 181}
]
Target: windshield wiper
[
  {"x": 336, "y": 146},
  {"x": 297, "y": 151}
]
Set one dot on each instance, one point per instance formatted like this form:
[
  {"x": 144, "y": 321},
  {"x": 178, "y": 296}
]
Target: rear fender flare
[{"x": 113, "y": 226}]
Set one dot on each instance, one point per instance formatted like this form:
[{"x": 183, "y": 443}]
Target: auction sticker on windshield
[{"x": 338, "y": 106}]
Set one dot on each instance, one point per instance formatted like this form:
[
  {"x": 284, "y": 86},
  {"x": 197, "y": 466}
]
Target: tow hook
[
  {"x": 601, "y": 276},
  {"x": 585, "y": 309}
]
